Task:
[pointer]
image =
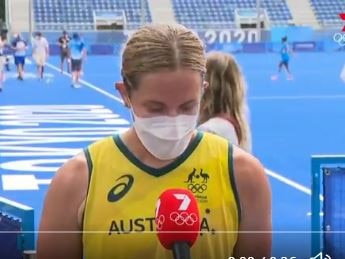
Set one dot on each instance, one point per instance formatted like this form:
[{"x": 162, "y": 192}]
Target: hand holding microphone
[{"x": 177, "y": 221}]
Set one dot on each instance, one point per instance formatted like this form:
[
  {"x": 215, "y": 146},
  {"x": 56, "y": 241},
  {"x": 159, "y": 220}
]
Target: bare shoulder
[
  {"x": 247, "y": 168},
  {"x": 65, "y": 196},
  {"x": 251, "y": 182},
  {"x": 68, "y": 188},
  {"x": 75, "y": 168},
  {"x": 72, "y": 178}
]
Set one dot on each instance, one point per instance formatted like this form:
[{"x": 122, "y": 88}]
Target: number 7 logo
[{"x": 185, "y": 201}]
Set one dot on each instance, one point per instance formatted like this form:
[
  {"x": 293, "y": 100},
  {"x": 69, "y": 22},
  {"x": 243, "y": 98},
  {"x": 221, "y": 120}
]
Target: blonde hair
[
  {"x": 226, "y": 94},
  {"x": 159, "y": 47}
]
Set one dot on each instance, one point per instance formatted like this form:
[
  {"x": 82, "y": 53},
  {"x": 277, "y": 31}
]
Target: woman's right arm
[
  {"x": 255, "y": 229},
  {"x": 60, "y": 229}
]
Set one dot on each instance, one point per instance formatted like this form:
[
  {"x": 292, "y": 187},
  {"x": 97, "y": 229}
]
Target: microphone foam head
[{"x": 177, "y": 217}]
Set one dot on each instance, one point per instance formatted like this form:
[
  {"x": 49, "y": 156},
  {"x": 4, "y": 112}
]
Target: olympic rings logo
[
  {"x": 339, "y": 38},
  {"x": 184, "y": 218},
  {"x": 160, "y": 221},
  {"x": 197, "y": 188}
]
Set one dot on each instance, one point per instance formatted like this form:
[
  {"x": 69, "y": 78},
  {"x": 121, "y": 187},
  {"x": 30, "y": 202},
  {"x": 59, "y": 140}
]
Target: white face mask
[{"x": 165, "y": 137}]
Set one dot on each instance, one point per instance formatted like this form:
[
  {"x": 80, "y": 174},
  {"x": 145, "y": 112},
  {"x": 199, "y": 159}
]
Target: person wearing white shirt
[
  {"x": 40, "y": 52},
  {"x": 224, "y": 109}
]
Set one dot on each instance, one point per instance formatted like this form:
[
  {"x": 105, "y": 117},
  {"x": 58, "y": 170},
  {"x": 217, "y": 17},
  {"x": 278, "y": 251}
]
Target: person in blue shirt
[
  {"x": 19, "y": 46},
  {"x": 285, "y": 54},
  {"x": 77, "y": 54}
]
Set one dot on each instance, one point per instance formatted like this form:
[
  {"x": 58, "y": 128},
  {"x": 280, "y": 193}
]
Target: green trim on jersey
[
  {"x": 232, "y": 180},
  {"x": 165, "y": 169}
]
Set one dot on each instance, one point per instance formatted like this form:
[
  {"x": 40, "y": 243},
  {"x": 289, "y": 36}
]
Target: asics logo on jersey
[
  {"x": 183, "y": 218},
  {"x": 119, "y": 190}
]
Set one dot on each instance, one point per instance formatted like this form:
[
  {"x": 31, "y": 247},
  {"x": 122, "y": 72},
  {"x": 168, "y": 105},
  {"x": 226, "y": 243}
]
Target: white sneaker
[
  {"x": 76, "y": 85},
  {"x": 274, "y": 77}
]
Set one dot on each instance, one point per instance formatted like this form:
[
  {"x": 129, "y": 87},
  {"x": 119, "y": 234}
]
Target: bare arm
[
  {"x": 255, "y": 197},
  {"x": 66, "y": 194}
]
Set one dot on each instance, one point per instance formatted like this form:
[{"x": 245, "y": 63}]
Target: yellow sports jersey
[{"x": 120, "y": 207}]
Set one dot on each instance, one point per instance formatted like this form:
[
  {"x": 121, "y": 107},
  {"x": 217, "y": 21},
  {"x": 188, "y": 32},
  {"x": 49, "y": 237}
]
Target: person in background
[
  {"x": 285, "y": 54},
  {"x": 63, "y": 42},
  {"x": 7, "y": 63},
  {"x": 6, "y": 59},
  {"x": 40, "y": 53},
  {"x": 224, "y": 109},
  {"x": 2, "y": 60},
  {"x": 78, "y": 53},
  {"x": 101, "y": 203},
  {"x": 20, "y": 46}
]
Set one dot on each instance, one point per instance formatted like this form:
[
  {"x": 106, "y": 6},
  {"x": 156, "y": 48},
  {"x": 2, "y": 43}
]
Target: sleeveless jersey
[{"x": 119, "y": 215}]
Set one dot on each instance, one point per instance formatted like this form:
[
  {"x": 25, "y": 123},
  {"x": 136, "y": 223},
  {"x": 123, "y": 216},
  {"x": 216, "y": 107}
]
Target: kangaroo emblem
[
  {"x": 191, "y": 176},
  {"x": 204, "y": 176}
]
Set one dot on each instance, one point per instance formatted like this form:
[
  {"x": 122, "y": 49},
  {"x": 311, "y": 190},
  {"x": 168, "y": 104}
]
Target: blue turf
[{"x": 290, "y": 120}]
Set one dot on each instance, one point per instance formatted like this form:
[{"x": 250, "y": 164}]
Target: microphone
[{"x": 177, "y": 221}]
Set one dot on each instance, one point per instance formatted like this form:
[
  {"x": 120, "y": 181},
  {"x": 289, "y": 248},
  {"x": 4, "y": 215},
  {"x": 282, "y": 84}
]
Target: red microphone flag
[{"x": 177, "y": 217}]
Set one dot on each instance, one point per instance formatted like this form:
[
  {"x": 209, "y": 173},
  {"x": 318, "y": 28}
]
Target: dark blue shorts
[
  {"x": 284, "y": 62},
  {"x": 19, "y": 60},
  {"x": 76, "y": 65}
]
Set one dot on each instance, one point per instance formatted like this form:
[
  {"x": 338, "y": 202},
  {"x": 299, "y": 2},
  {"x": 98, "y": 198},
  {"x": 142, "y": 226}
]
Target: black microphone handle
[{"x": 181, "y": 250}]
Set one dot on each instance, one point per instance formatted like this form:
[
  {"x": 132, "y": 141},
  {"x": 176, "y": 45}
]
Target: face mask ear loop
[
  {"x": 133, "y": 114},
  {"x": 131, "y": 111},
  {"x": 128, "y": 104}
]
